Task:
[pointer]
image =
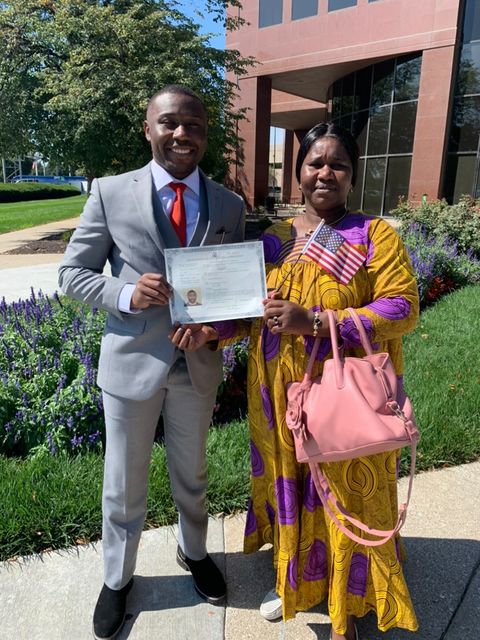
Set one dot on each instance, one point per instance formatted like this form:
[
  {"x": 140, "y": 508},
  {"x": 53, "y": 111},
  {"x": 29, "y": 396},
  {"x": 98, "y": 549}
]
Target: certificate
[{"x": 216, "y": 282}]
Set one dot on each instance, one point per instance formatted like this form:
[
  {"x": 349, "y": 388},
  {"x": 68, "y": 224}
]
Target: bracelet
[{"x": 317, "y": 323}]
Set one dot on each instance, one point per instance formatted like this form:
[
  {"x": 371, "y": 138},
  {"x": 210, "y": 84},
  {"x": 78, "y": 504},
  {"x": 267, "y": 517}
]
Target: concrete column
[
  {"x": 251, "y": 179},
  {"x": 431, "y": 127},
  {"x": 299, "y": 134},
  {"x": 287, "y": 163}
]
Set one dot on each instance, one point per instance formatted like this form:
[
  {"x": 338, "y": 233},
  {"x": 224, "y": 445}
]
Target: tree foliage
[{"x": 76, "y": 76}]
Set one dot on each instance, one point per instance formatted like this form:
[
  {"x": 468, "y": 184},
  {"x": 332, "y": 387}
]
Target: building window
[
  {"x": 270, "y": 13},
  {"x": 378, "y": 104},
  {"x": 462, "y": 172},
  {"x": 304, "y": 8},
  {"x": 334, "y": 5},
  {"x": 471, "y": 21}
]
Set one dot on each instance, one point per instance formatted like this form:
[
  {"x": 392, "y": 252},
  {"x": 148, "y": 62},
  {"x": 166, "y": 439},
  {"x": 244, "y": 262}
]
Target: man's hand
[
  {"x": 151, "y": 288},
  {"x": 191, "y": 337}
]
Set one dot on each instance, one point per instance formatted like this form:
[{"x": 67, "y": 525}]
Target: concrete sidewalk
[
  {"x": 52, "y": 596},
  {"x": 20, "y": 272}
]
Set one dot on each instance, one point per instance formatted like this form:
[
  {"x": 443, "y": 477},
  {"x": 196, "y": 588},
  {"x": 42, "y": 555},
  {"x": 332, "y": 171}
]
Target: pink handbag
[{"x": 354, "y": 409}]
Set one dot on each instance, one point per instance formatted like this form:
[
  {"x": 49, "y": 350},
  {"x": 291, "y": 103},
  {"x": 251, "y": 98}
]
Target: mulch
[{"x": 50, "y": 244}]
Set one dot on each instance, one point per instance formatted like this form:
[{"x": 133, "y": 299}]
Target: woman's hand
[
  {"x": 282, "y": 316},
  {"x": 190, "y": 337}
]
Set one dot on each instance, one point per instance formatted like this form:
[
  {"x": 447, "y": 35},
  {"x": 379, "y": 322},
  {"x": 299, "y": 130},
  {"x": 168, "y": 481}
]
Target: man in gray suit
[{"x": 128, "y": 221}]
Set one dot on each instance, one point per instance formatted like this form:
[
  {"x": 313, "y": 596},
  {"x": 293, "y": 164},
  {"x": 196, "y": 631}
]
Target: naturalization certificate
[{"x": 216, "y": 282}]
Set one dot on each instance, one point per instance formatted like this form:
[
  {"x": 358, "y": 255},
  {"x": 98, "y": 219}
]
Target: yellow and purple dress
[{"x": 314, "y": 560}]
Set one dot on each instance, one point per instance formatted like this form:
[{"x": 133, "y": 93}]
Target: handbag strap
[{"x": 326, "y": 494}]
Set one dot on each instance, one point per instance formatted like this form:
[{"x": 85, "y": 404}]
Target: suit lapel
[
  {"x": 212, "y": 195},
  {"x": 142, "y": 194}
]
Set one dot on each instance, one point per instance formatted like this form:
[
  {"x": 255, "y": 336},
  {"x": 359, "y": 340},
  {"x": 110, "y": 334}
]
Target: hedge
[{"x": 22, "y": 191}]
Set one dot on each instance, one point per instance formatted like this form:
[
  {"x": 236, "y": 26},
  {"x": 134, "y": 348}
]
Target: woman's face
[{"x": 326, "y": 176}]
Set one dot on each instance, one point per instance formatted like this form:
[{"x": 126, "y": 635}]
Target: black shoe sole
[
  {"x": 211, "y": 600},
  {"x": 113, "y": 636}
]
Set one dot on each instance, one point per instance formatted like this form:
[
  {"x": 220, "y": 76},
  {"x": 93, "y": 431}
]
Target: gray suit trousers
[{"x": 130, "y": 430}]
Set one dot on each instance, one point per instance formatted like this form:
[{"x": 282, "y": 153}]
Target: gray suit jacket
[{"x": 120, "y": 224}]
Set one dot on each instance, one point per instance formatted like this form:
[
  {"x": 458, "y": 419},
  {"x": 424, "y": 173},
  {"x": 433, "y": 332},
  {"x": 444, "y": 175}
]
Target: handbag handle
[
  {"x": 364, "y": 339},
  {"x": 338, "y": 361}
]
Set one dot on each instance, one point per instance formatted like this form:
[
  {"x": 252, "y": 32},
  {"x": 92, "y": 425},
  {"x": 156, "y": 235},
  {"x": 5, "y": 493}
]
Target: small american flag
[{"x": 327, "y": 248}]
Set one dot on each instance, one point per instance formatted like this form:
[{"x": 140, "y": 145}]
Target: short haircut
[
  {"x": 179, "y": 89},
  {"x": 330, "y": 130}
]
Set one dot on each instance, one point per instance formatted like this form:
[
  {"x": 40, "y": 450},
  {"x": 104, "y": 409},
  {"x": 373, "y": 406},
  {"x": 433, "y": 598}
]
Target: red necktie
[{"x": 178, "y": 216}]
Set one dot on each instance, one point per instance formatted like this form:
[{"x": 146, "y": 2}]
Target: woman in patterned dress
[{"x": 314, "y": 560}]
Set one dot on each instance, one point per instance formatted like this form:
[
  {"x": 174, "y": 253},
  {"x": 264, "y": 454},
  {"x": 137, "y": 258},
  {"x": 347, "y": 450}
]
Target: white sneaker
[{"x": 271, "y": 607}]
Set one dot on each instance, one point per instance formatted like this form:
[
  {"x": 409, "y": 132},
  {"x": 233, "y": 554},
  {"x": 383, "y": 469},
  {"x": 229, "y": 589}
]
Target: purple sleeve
[
  {"x": 225, "y": 329},
  {"x": 349, "y": 332},
  {"x": 389, "y": 308}
]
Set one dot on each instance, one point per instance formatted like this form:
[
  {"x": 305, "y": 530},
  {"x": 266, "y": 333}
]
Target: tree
[{"x": 84, "y": 70}]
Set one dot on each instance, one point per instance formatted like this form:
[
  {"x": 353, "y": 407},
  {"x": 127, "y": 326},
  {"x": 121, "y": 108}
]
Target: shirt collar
[{"x": 161, "y": 178}]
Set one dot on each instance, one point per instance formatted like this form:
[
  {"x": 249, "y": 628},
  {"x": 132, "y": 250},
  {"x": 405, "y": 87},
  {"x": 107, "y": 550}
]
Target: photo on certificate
[{"x": 216, "y": 282}]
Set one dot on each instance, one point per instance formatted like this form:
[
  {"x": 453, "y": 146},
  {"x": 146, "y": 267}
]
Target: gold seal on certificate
[{"x": 216, "y": 282}]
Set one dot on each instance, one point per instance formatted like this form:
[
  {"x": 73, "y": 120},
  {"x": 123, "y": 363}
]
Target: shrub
[
  {"x": 22, "y": 191},
  {"x": 459, "y": 222},
  {"x": 438, "y": 264},
  {"x": 231, "y": 401},
  {"x": 48, "y": 355}
]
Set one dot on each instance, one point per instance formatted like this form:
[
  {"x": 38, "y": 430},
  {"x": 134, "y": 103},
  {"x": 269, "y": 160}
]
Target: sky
[{"x": 207, "y": 25}]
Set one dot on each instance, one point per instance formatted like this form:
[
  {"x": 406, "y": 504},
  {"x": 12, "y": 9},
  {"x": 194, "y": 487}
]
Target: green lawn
[
  {"x": 442, "y": 377},
  {"x": 21, "y": 215}
]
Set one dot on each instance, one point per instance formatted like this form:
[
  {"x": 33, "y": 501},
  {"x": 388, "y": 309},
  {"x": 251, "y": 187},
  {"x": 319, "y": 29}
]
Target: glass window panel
[
  {"x": 270, "y": 12},
  {"x": 348, "y": 93},
  {"x": 398, "y": 179},
  {"x": 363, "y": 88},
  {"x": 468, "y": 80},
  {"x": 403, "y": 127},
  {"x": 407, "y": 78},
  {"x": 360, "y": 130},
  {"x": 459, "y": 177},
  {"x": 336, "y": 98},
  {"x": 355, "y": 197},
  {"x": 346, "y": 122},
  {"x": 378, "y": 133},
  {"x": 374, "y": 178},
  {"x": 304, "y": 8},
  {"x": 333, "y": 5},
  {"x": 471, "y": 23},
  {"x": 465, "y": 124},
  {"x": 383, "y": 82}
]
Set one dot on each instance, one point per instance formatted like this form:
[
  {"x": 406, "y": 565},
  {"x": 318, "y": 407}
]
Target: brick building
[{"x": 402, "y": 75}]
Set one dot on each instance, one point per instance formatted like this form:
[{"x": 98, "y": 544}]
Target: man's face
[
  {"x": 192, "y": 297},
  {"x": 176, "y": 128}
]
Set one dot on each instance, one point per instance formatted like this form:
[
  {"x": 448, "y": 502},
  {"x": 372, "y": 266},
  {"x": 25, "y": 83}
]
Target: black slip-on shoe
[
  {"x": 207, "y": 579},
  {"x": 109, "y": 614}
]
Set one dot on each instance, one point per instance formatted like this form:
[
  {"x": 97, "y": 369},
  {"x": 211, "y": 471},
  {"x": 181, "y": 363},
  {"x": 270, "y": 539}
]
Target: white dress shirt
[{"x": 191, "y": 198}]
